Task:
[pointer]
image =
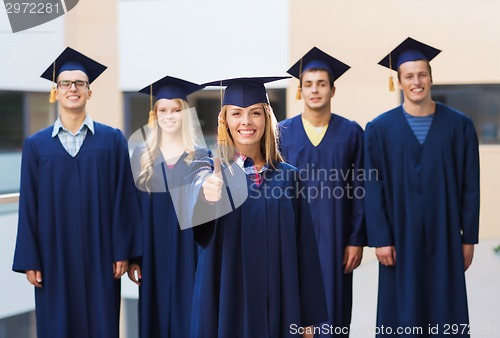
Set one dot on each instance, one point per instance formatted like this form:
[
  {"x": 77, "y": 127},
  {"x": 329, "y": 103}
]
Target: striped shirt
[
  {"x": 420, "y": 125},
  {"x": 248, "y": 166},
  {"x": 72, "y": 142}
]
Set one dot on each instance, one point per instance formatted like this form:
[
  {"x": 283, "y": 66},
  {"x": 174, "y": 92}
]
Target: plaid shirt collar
[
  {"x": 248, "y": 166},
  {"x": 87, "y": 122}
]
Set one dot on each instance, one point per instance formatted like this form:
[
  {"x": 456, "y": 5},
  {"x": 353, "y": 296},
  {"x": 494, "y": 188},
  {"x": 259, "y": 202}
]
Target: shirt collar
[
  {"x": 408, "y": 115},
  {"x": 87, "y": 122},
  {"x": 245, "y": 162},
  {"x": 240, "y": 160}
]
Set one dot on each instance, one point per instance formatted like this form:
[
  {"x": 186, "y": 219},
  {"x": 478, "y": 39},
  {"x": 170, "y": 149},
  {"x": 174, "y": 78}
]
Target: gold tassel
[
  {"x": 52, "y": 97},
  {"x": 221, "y": 132},
  {"x": 221, "y": 126},
  {"x": 391, "y": 79},
  {"x": 151, "y": 119},
  {"x": 298, "y": 95},
  {"x": 391, "y": 84}
]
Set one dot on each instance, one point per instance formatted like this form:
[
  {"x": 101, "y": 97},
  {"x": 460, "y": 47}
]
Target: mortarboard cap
[
  {"x": 171, "y": 87},
  {"x": 70, "y": 59},
  {"x": 408, "y": 50},
  {"x": 317, "y": 59},
  {"x": 245, "y": 91}
]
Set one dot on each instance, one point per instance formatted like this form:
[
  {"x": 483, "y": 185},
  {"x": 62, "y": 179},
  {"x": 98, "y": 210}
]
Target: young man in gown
[
  {"x": 422, "y": 209},
  {"x": 328, "y": 151},
  {"x": 78, "y": 212}
]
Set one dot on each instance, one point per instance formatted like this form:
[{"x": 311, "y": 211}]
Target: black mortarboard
[
  {"x": 245, "y": 91},
  {"x": 317, "y": 59},
  {"x": 70, "y": 59},
  {"x": 171, "y": 87},
  {"x": 168, "y": 87},
  {"x": 408, "y": 50}
]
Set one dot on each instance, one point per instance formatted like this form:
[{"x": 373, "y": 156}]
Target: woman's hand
[{"x": 212, "y": 186}]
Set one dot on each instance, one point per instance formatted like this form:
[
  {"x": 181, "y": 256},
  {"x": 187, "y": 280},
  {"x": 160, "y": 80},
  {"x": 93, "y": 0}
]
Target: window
[
  {"x": 479, "y": 101},
  {"x": 11, "y": 121},
  {"x": 136, "y": 112},
  {"x": 21, "y": 115}
]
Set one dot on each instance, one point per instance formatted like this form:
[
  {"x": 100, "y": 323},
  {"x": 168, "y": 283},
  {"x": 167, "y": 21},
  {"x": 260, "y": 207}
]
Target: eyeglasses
[{"x": 79, "y": 84}]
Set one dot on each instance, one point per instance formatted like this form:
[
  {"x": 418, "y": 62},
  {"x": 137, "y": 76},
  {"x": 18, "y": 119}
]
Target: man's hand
[
  {"x": 352, "y": 258},
  {"x": 34, "y": 277},
  {"x": 212, "y": 187},
  {"x": 306, "y": 333},
  {"x": 119, "y": 268},
  {"x": 468, "y": 250},
  {"x": 134, "y": 269},
  {"x": 386, "y": 255}
]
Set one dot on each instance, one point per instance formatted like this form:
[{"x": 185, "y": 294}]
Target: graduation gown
[
  {"x": 77, "y": 216},
  {"x": 425, "y": 202},
  {"x": 169, "y": 255},
  {"x": 259, "y": 273},
  {"x": 331, "y": 173}
]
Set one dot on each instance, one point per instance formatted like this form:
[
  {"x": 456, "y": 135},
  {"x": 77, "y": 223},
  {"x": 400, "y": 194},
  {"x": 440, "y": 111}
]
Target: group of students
[{"x": 249, "y": 263}]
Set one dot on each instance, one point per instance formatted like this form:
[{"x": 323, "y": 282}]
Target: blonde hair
[
  {"x": 151, "y": 150},
  {"x": 268, "y": 142}
]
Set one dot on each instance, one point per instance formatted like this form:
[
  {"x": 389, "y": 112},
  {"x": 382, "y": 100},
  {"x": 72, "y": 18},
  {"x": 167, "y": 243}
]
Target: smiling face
[
  {"x": 316, "y": 90},
  {"x": 415, "y": 80},
  {"x": 169, "y": 115},
  {"x": 73, "y": 99},
  {"x": 246, "y": 126}
]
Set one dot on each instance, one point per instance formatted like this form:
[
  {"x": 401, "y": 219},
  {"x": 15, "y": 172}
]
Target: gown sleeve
[
  {"x": 198, "y": 208},
  {"x": 377, "y": 224},
  {"x": 357, "y": 236},
  {"x": 26, "y": 256},
  {"x": 312, "y": 296},
  {"x": 470, "y": 193},
  {"x": 126, "y": 230}
]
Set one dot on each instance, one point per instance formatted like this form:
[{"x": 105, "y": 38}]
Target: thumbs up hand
[{"x": 212, "y": 187}]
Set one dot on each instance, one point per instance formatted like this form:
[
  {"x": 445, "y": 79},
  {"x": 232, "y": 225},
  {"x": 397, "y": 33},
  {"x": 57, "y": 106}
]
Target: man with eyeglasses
[{"x": 78, "y": 212}]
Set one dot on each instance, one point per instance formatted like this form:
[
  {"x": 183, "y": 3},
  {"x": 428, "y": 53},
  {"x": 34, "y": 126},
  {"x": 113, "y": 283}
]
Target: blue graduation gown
[
  {"x": 77, "y": 216},
  {"x": 259, "y": 274},
  {"x": 328, "y": 170},
  {"x": 425, "y": 202},
  {"x": 169, "y": 256}
]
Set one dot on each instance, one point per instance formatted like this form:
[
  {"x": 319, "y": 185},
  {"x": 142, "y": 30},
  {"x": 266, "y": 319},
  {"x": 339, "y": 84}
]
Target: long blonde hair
[
  {"x": 152, "y": 144},
  {"x": 268, "y": 142}
]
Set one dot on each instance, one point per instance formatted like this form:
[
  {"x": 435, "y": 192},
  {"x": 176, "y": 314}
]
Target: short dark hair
[{"x": 330, "y": 80}]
